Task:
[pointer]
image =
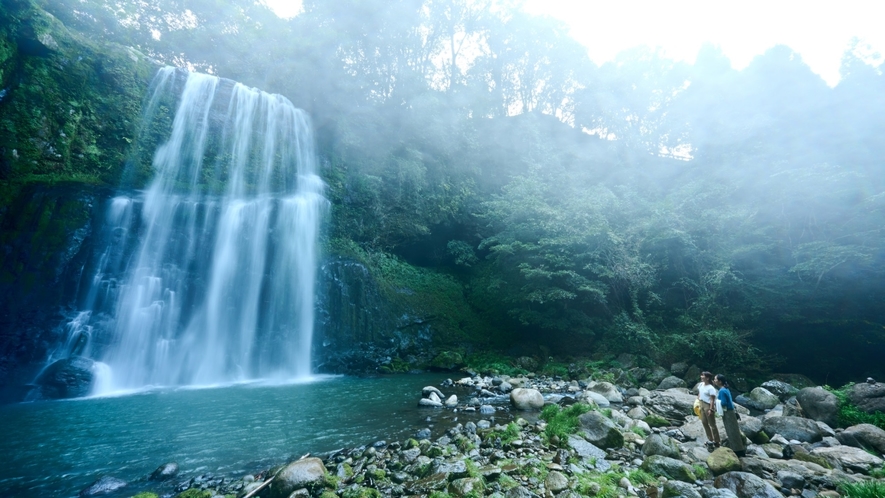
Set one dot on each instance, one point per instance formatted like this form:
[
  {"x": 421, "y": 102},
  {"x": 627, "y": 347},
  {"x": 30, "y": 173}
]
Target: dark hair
[
  {"x": 721, "y": 378},
  {"x": 707, "y": 375}
]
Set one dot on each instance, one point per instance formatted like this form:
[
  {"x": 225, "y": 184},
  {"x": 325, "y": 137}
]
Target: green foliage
[
  {"x": 145, "y": 494},
  {"x": 360, "y": 492},
  {"x": 640, "y": 477},
  {"x": 602, "y": 485},
  {"x": 639, "y": 431},
  {"x": 563, "y": 422},
  {"x": 850, "y": 414},
  {"x": 878, "y": 473},
  {"x": 654, "y": 420},
  {"x": 440, "y": 494},
  {"x": 700, "y": 471},
  {"x": 508, "y": 435},
  {"x": 487, "y": 362},
  {"x": 195, "y": 493},
  {"x": 866, "y": 489}
]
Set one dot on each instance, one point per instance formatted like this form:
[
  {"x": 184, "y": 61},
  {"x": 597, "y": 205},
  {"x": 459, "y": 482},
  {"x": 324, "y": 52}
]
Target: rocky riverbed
[{"x": 633, "y": 441}]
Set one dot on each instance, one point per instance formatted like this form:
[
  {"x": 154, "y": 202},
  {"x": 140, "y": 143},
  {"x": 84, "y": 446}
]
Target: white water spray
[{"x": 220, "y": 288}]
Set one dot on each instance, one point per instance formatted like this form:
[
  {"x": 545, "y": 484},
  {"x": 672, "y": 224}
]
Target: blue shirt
[{"x": 725, "y": 399}]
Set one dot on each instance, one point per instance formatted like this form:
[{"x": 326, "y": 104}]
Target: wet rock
[
  {"x": 819, "y": 404},
  {"x": 590, "y": 453},
  {"x": 594, "y": 399},
  {"x": 430, "y": 403},
  {"x": 752, "y": 428},
  {"x": 427, "y": 485},
  {"x": 746, "y": 485},
  {"x": 104, "y": 485},
  {"x": 800, "y": 429},
  {"x": 67, "y": 378},
  {"x": 526, "y": 399},
  {"x": 791, "y": 480},
  {"x": 165, "y": 472},
  {"x": 305, "y": 473}
]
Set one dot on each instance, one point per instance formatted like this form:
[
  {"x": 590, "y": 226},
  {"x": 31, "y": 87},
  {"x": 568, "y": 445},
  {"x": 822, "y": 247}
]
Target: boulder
[
  {"x": 763, "y": 398},
  {"x": 746, "y": 485},
  {"x": 165, "y": 472},
  {"x": 723, "y": 460},
  {"x": 104, "y": 485},
  {"x": 468, "y": 486},
  {"x": 595, "y": 398},
  {"x": 669, "y": 468},
  {"x": 428, "y": 391},
  {"x": 709, "y": 492},
  {"x": 659, "y": 444},
  {"x": 671, "y": 404},
  {"x": 679, "y": 368},
  {"x": 526, "y": 399},
  {"x": 67, "y": 378},
  {"x": 866, "y": 436},
  {"x": 428, "y": 485},
  {"x": 305, "y": 473},
  {"x": 609, "y": 391},
  {"x": 600, "y": 431},
  {"x": 849, "y": 458},
  {"x": 819, "y": 404},
  {"x": 451, "y": 401},
  {"x": 590, "y": 453},
  {"x": 780, "y": 389},
  {"x": 670, "y": 382},
  {"x": 427, "y": 402},
  {"x": 868, "y": 397},
  {"x": 800, "y": 429},
  {"x": 752, "y": 428},
  {"x": 791, "y": 480},
  {"x": 673, "y": 489},
  {"x": 556, "y": 481}
]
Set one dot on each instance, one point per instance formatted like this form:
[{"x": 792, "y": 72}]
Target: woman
[
  {"x": 729, "y": 417},
  {"x": 707, "y": 395}
]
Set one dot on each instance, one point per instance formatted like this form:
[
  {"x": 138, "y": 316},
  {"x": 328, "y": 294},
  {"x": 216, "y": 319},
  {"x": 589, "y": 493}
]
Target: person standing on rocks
[
  {"x": 729, "y": 417},
  {"x": 707, "y": 395}
]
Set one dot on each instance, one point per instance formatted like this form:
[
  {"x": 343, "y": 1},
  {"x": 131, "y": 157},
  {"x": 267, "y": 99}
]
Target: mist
[{"x": 645, "y": 204}]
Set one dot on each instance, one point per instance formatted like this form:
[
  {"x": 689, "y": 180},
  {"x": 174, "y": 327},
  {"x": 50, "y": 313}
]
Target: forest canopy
[{"x": 645, "y": 205}]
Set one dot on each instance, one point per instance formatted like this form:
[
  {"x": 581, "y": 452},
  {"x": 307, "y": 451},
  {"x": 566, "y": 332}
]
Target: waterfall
[{"x": 218, "y": 284}]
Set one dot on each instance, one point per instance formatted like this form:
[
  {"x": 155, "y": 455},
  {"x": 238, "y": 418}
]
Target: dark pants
[{"x": 733, "y": 431}]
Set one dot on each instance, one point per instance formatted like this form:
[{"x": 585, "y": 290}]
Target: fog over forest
[{"x": 694, "y": 212}]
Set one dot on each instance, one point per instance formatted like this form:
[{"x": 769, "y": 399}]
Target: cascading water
[{"x": 218, "y": 285}]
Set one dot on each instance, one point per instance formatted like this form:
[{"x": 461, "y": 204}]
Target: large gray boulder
[
  {"x": 752, "y": 428},
  {"x": 819, "y": 404},
  {"x": 780, "y": 389},
  {"x": 746, "y": 485},
  {"x": 67, "y": 378},
  {"x": 305, "y": 473},
  {"x": 526, "y": 399},
  {"x": 674, "y": 489},
  {"x": 723, "y": 460},
  {"x": 866, "y": 436},
  {"x": 671, "y": 404},
  {"x": 849, "y": 458},
  {"x": 763, "y": 399},
  {"x": 660, "y": 444},
  {"x": 165, "y": 472},
  {"x": 600, "y": 431},
  {"x": 609, "y": 391},
  {"x": 669, "y": 468},
  {"x": 589, "y": 453},
  {"x": 671, "y": 382},
  {"x": 800, "y": 429},
  {"x": 868, "y": 397}
]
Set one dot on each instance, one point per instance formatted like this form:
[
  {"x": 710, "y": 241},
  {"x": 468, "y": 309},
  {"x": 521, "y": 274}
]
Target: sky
[{"x": 818, "y": 30}]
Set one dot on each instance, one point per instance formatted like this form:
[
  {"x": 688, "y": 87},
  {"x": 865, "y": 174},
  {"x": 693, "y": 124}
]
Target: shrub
[
  {"x": 850, "y": 414},
  {"x": 561, "y": 423},
  {"x": 868, "y": 489}
]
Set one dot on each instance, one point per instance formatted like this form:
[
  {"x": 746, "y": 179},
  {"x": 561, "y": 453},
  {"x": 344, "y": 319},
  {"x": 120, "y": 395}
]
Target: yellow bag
[{"x": 697, "y": 407}]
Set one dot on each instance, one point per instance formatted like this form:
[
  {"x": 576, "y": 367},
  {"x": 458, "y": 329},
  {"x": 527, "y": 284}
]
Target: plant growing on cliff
[{"x": 868, "y": 489}]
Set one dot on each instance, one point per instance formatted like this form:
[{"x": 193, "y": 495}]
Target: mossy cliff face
[{"x": 70, "y": 107}]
